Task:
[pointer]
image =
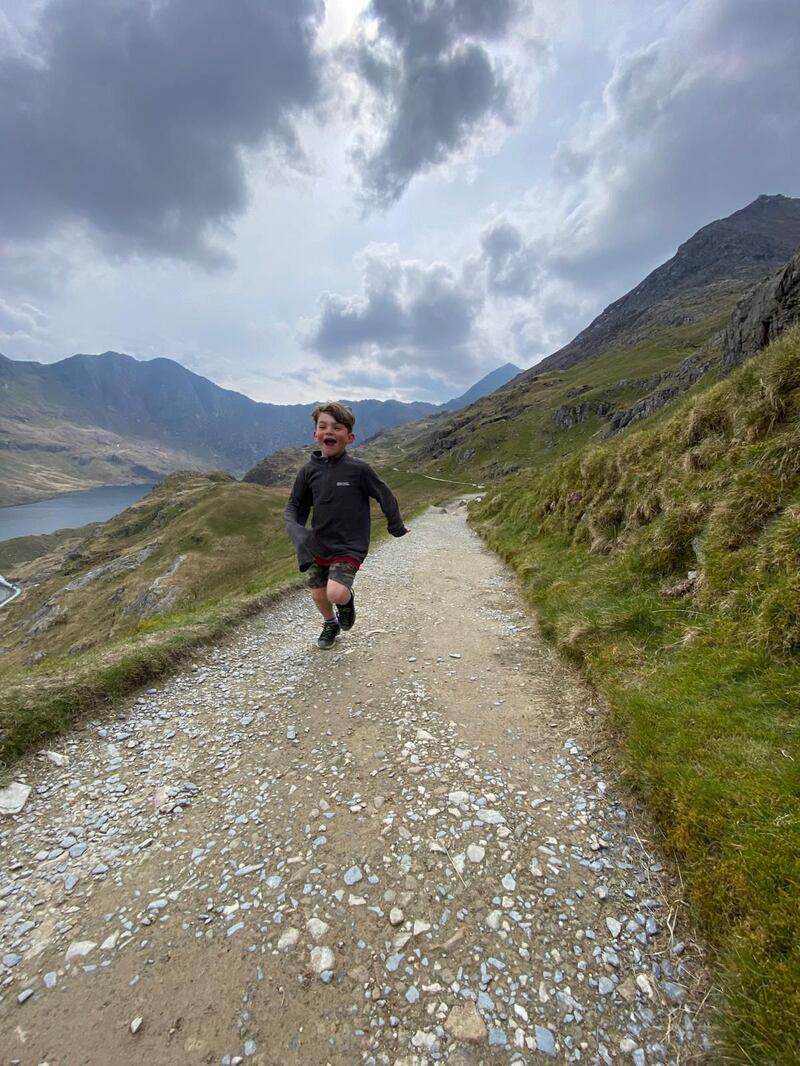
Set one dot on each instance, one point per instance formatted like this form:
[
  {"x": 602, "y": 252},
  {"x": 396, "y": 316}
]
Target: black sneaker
[
  {"x": 330, "y": 631},
  {"x": 347, "y": 613}
]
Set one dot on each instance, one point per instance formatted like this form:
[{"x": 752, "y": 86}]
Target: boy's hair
[{"x": 343, "y": 415}]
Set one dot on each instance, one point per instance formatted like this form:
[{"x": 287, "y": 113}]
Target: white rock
[
  {"x": 322, "y": 959},
  {"x": 110, "y": 942},
  {"x": 395, "y": 916},
  {"x": 136, "y": 1025},
  {"x": 475, "y": 853},
  {"x": 614, "y": 927},
  {"x": 458, "y": 798},
  {"x": 14, "y": 797},
  {"x": 79, "y": 949},
  {"x": 536, "y": 870},
  {"x": 56, "y": 758},
  {"x": 520, "y": 1012},
  {"x": 643, "y": 982},
  {"x": 317, "y": 928},
  {"x": 421, "y": 926},
  {"x": 423, "y": 734},
  {"x": 493, "y": 919},
  {"x": 288, "y": 939},
  {"x": 490, "y": 817}
]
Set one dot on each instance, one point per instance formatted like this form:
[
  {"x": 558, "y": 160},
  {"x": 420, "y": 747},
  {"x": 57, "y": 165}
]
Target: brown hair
[{"x": 343, "y": 415}]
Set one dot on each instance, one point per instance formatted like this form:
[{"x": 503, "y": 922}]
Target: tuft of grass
[{"x": 703, "y": 688}]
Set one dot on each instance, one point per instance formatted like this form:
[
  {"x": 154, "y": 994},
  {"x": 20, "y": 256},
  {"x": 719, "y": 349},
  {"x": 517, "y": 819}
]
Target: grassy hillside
[
  {"x": 124, "y": 604},
  {"x": 547, "y": 415},
  {"x": 667, "y": 562}
]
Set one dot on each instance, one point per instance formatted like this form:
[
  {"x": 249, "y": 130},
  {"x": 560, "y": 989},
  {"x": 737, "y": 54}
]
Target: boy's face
[{"x": 331, "y": 436}]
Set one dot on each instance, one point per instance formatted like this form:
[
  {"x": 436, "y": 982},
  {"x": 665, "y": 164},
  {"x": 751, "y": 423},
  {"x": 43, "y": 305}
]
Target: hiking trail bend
[{"x": 397, "y": 852}]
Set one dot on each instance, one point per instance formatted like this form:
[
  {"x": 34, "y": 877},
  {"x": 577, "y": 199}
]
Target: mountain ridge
[
  {"x": 727, "y": 254},
  {"x": 643, "y": 350},
  {"x": 109, "y": 419}
]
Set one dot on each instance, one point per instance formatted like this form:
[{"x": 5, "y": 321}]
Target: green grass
[
  {"x": 237, "y": 560},
  {"x": 704, "y": 688}
]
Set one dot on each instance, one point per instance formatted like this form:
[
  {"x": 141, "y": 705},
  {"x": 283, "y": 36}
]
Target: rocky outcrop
[
  {"x": 279, "y": 468},
  {"x": 762, "y": 316},
  {"x": 665, "y": 386},
  {"x": 123, "y": 564},
  {"x": 159, "y": 596},
  {"x": 565, "y": 417}
]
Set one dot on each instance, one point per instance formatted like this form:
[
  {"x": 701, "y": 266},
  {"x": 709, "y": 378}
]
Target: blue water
[{"x": 68, "y": 511}]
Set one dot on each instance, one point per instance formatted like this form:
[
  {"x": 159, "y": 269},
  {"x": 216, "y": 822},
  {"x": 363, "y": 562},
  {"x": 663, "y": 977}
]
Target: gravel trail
[{"x": 396, "y": 852}]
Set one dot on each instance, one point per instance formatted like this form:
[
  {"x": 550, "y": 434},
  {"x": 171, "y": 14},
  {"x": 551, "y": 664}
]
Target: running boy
[{"x": 338, "y": 488}]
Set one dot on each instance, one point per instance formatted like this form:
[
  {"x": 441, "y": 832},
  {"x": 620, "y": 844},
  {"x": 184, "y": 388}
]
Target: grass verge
[{"x": 700, "y": 671}]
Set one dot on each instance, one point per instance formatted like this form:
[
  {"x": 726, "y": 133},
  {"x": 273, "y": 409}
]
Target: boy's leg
[
  {"x": 317, "y": 580},
  {"x": 324, "y": 605},
  {"x": 317, "y": 584},
  {"x": 339, "y": 591}
]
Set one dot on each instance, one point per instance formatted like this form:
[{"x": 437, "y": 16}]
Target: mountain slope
[
  {"x": 660, "y": 338},
  {"x": 722, "y": 259}
]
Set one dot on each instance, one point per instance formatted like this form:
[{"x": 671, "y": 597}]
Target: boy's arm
[
  {"x": 380, "y": 491},
  {"x": 295, "y": 516}
]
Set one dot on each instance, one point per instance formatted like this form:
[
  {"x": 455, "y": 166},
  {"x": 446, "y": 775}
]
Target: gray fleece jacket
[{"x": 338, "y": 491}]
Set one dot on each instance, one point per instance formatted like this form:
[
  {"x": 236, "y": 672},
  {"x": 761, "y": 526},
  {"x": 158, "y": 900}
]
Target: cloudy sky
[{"x": 357, "y": 198}]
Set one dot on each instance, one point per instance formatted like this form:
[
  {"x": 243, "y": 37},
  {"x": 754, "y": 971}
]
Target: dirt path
[{"x": 395, "y": 852}]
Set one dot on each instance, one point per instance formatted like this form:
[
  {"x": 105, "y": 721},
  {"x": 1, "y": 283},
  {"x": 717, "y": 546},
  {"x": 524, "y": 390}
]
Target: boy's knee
[{"x": 338, "y": 593}]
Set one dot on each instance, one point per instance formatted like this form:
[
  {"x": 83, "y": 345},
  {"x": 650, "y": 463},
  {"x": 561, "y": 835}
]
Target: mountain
[
  {"x": 721, "y": 260},
  {"x": 648, "y": 347},
  {"x": 505, "y": 373},
  {"x": 111, "y": 419}
]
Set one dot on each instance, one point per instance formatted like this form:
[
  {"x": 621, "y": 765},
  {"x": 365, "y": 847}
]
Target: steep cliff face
[{"x": 762, "y": 315}]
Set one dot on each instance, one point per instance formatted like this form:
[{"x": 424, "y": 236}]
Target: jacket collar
[{"x": 318, "y": 457}]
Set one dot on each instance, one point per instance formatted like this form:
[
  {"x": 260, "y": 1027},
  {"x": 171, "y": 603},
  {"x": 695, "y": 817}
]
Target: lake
[{"x": 69, "y": 510}]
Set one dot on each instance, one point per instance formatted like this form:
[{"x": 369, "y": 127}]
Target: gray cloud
[
  {"x": 509, "y": 259},
  {"x": 409, "y": 315},
  {"x": 131, "y": 117},
  {"x": 434, "y": 82},
  {"x": 693, "y": 126}
]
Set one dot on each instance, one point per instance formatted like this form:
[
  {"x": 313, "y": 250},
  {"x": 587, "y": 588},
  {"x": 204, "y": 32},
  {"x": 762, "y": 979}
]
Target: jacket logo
[{"x": 345, "y": 483}]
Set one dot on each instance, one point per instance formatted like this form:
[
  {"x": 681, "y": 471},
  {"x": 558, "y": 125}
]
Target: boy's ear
[{"x": 350, "y": 438}]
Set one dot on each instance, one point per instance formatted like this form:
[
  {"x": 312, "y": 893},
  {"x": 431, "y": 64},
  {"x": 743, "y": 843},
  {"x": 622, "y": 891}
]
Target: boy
[{"x": 338, "y": 488}]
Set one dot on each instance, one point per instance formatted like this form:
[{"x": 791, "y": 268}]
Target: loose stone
[
  {"x": 322, "y": 958},
  {"x": 288, "y": 939},
  {"x": 464, "y": 1022},
  {"x": 317, "y": 928},
  {"x": 352, "y": 876}
]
